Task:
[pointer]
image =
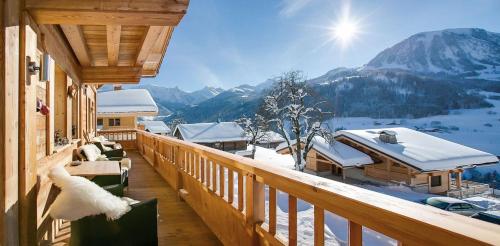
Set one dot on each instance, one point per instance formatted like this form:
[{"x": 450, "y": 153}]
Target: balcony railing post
[
  {"x": 178, "y": 160},
  {"x": 255, "y": 204}
]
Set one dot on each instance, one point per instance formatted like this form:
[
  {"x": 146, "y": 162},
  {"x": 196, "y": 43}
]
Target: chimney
[
  {"x": 117, "y": 87},
  {"x": 388, "y": 136}
]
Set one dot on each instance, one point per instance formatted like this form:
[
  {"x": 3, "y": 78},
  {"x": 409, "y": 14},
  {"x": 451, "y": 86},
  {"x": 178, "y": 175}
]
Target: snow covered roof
[
  {"x": 155, "y": 126},
  {"x": 211, "y": 132},
  {"x": 136, "y": 101},
  {"x": 421, "y": 150},
  {"x": 343, "y": 154},
  {"x": 270, "y": 137}
]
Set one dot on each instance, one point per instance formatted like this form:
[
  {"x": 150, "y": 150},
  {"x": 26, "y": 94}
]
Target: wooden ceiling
[{"x": 115, "y": 41}]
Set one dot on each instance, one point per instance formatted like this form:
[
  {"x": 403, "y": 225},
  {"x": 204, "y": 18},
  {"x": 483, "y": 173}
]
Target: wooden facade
[
  {"x": 389, "y": 169},
  {"x": 57, "y": 53},
  {"x": 116, "y": 122}
]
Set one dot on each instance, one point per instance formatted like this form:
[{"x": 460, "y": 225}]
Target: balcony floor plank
[{"x": 178, "y": 224}]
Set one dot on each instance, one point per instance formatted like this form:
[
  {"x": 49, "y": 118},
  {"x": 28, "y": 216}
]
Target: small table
[{"x": 95, "y": 168}]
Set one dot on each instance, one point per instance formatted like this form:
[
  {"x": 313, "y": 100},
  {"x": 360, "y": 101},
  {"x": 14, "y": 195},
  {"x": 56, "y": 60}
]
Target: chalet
[
  {"x": 270, "y": 139},
  {"x": 56, "y": 54},
  {"x": 227, "y": 136},
  {"x": 155, "y": 126},
  {"x": 418, "y": 159},
  {"x": 331, "y": 158},
  {"x": 119, "y": 109}
]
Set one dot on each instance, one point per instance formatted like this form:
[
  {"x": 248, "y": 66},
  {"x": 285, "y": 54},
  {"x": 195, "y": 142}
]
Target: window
[
  {"x": 466, "y": 206},
  {"x": 435, "y": 181},
  {"x": 454, "y": 207},
  {"x": 99, "y": 122},
  {"x": 114, "y": 122}
]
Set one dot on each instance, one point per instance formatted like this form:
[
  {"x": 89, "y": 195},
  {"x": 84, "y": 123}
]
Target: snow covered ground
[{"x": 476, "y": 128}]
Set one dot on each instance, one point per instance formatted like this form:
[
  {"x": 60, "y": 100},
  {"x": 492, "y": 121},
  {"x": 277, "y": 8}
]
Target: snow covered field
[{"x": 476, "y": 128}]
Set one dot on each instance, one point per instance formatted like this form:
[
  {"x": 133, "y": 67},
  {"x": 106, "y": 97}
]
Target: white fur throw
[
  {"x": 91, "y": 151},
  {"x": 99, "y": 139},
  {"x": 81, "y": 197}
]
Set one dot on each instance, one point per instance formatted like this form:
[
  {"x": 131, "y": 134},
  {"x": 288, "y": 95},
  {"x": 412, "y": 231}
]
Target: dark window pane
[{"x": 435, "y": 181}]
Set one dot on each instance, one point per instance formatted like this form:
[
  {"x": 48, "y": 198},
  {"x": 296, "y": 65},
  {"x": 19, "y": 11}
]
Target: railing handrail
[{"x": 405, "y": 221}]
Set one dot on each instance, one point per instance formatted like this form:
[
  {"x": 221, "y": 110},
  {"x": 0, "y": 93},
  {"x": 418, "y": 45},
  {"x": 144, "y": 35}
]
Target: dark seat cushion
[{"x": 137, "y": 227}]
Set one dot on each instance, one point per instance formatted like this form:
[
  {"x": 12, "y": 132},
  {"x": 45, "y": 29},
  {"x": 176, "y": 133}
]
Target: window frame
[{"x": 114, "y": 122}]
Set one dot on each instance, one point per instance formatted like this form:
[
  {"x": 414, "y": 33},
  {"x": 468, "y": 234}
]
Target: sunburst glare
[{"x": 346, "y": 29}]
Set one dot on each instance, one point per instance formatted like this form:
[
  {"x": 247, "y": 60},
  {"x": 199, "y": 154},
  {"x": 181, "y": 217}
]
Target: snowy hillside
[{"x": 464, "y": 52}]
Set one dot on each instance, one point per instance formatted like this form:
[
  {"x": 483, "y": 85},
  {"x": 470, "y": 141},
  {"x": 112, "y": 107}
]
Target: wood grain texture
[
  {"x": 113, "y": 33},
  {"x": 78, "y": 43},
  {"x": 178, "y": 224}
]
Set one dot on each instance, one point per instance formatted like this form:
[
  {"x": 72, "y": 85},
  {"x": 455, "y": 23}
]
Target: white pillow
[
  {"x": 91, "y": 152},
  {"x": 81, "y": 197}
]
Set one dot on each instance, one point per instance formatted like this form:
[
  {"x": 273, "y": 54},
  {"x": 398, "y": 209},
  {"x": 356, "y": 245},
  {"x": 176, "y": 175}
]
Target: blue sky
[{"x": 225, "y": 43}]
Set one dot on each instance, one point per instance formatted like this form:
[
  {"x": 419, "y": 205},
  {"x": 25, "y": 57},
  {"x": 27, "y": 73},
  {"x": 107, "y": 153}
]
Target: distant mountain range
[{"x": 426, "y": 74}]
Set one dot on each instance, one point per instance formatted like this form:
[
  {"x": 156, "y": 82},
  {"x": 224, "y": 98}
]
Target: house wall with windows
[{"x": 117, "y": 122}]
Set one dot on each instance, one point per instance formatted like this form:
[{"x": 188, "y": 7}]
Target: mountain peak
[{"x": 461, "y": 52}]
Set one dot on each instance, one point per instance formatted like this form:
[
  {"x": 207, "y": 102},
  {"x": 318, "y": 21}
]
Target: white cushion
[
  {"x": 91, "y": 152},
  {"x": 81, "y": 197}
]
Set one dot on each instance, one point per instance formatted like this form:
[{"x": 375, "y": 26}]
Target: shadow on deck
[{"x": 178, "y": 224}]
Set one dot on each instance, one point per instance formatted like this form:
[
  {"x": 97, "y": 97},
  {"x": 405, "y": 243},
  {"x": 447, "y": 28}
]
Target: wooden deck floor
[{"x": 178, "y": 224}]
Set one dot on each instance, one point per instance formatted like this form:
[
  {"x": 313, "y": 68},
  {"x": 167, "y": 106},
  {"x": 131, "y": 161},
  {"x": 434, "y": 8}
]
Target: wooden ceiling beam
[
  {"x": 97, "y": 17},
  {"x": 113, "y": 34},
  {"x": 155, "y": 58},
  {"x": 108, "y": 12},
  {"x": 111, "y": 74},
  {"x": 149, "y": 40},
  {"x": 75, "y": 37}
]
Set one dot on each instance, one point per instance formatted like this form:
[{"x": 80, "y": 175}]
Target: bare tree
[
  {"x": 173, "y": 124},
  {"x": 255, "y": 129},
  {"x": 290, "y": 106}
]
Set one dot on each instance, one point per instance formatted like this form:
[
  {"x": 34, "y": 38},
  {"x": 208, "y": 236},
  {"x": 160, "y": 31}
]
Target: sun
[{"x": 345, "y": 31}]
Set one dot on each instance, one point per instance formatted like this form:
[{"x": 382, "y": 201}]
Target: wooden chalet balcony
[{"x": 228, "y": 193}]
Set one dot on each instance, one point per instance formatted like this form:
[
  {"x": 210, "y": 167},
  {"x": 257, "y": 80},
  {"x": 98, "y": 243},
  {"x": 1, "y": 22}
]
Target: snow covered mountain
[
  {"x": 174, "y": 95},
  {"x": 462, "y": 52}
]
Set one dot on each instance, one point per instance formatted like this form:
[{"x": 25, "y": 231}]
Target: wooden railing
[
  {"x": 228, "y": 192},
  {"x": 126, "y": 137}
]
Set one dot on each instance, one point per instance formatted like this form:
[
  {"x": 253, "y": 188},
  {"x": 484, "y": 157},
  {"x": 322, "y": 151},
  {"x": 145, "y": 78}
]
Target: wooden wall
[
  {"x": 126, "y": 122},
  {"x": 9, "y": 99}
]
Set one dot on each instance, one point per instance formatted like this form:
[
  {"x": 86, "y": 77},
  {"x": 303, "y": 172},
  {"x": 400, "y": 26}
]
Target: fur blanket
[{"x": 81, "y": 197}]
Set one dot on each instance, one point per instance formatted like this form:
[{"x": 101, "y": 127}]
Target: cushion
[
  {"x": 99, "y": 139},
  {"x": 91, "y": 152},
  {"x": 81, "y": 197}
]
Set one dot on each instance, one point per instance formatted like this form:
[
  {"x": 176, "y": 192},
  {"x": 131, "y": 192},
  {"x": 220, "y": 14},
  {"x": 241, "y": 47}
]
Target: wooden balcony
[{"x": 227, "y": 192}]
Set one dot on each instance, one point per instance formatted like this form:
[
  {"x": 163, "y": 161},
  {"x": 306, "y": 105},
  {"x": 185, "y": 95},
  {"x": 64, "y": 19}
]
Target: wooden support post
[
  {"x": 9, "y": 92},
  {"x": 319, "y": 226},
  {"x": 230, "y": 186},
  {"x": 292, "y": 220},
  {"x": 222, "y": 181},
  {"x": 178, "y": 164},
  {"x": 240, "y": 191},
  {"x": 459, "y": 179},
  {"x": 355, "y": 234},
  {"x": 214, "y": 176},
  {"x": 272, "y": 210},
  {"x": 27, "y": 138}
]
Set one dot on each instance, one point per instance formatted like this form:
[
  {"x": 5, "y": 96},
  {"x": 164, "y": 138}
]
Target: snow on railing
[{"x": 233, "y": 194}]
